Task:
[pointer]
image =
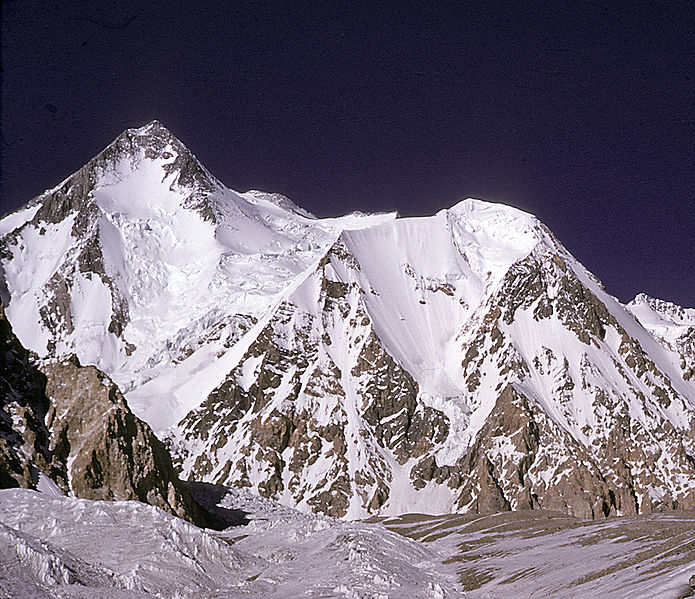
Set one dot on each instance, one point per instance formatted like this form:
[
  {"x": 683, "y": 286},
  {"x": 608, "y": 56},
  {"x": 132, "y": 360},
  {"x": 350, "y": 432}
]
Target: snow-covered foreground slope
[
  {"x": 550, "y": 556},
  {"x": 63, "y": 547},
  {"x": 357, "y": 365}
]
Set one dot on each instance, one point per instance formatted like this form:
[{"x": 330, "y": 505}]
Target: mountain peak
[
  {"x": 653, "y": 303},
  {"x": 144, "y": 158},
  {"x": 360, "y": 364},
  {"x": 153, "y": 125},
  {"x": 152, "y": 132},
  {"x": 154, "y": 138},
  {"x": 487, "y": 208},
  {"x": 155, "y": 142},
  {"x": 650, "y": 310},
  {"x": 503, "y": 233}
]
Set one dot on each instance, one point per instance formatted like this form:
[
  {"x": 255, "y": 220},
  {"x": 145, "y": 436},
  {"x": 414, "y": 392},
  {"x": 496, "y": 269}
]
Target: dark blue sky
[{"x": 584, "y": 116}]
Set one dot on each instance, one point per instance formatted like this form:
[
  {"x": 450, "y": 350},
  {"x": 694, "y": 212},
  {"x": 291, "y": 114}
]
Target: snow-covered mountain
[
  {"x": 359, "y": 365},
  {"x": 672, "y": 325}
]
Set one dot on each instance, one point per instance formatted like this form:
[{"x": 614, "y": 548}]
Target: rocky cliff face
[
  {"x": 106, "y": 451},
  {"x": 581, "y": 421},
  {"x": 584, "y": 421},
  {"x": 350, "y": 366},
  {"x": 70, "y": 424},
  {"x": 316, "y": 412},
  {"x": 24, "y": 439}
]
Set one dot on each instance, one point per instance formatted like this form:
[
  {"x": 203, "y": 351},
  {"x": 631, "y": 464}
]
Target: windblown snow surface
[
  {"x": 59, "y": 547},
  {"x": 548, "y": 555}
]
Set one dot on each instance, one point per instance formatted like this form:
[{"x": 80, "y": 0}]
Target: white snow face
[
  {"x": 427, "y": 277},
  {"x": 149, "y": 258},
  {"x": 671, "y": 325},
  {"x": 355, "y": 365}
]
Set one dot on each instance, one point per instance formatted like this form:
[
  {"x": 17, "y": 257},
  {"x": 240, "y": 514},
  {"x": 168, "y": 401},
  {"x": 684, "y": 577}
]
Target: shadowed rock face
[
  {"x": 23, "y": 406},
  {"x": 71, "y": 423}
]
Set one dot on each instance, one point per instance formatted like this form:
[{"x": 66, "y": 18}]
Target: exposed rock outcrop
[
  {"x": 24, "y": 439},
  {"x": 107, "y": 451},
  {"x": 296, "y": 419},
  {"x": 600, "y": 450}
]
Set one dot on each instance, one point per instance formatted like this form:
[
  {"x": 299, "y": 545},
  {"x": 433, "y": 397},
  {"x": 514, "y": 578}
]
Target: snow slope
[
  {"x": 430, "y": 274},
  {"x": 663, "y": 319},
  {"x": 180, "y": 267},
  {"x": 53, "y": 546}
]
